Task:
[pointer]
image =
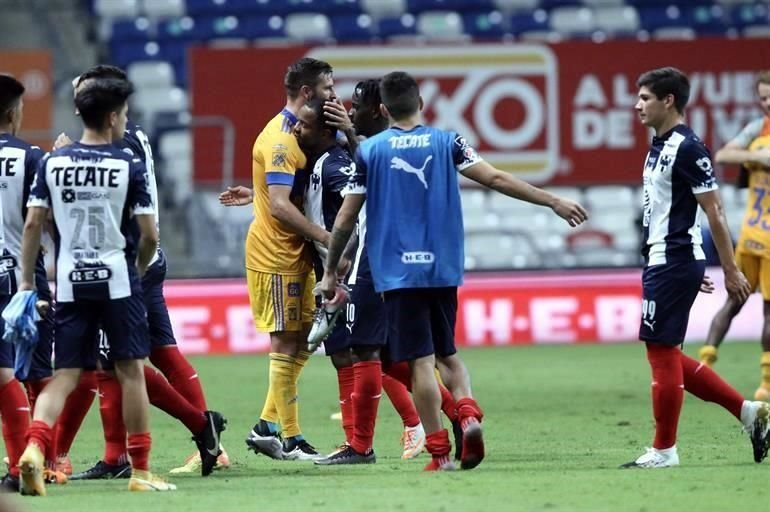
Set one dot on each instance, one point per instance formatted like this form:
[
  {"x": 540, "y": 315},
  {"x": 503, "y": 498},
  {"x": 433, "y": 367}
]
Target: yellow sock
[
  {"x": 269, "y": 411},
  {"x": 764, "y": 365},
  {"x": 299, "y": 363},
  {"x": 708, "y": 355},
  {"x": 283, "y": 388}
]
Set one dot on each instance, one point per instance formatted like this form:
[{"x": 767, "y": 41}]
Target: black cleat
[
  {"x": 208, "y": 441},
  {"x": 104, "y": 471},
  {"x": 9, "y": 484},
  {"x": 347, "y": 455},
  {"x": 299, "y": 450},
  {"x": 457, "y": 432}
]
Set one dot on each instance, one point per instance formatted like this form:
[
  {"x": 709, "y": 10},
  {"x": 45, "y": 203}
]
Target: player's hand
[
  {"x": 570, "y": 211},
  {"x": 236, "y": 196},
  {"x": 762, "y": 156},
  {"x": 328, "y": 285},
  {"x": 707, "y": 285},
  {"x": 42, "y": 306},
  {"x": 61, "y": 141},
  {"x": 337, "y": 115},
  {"x": 737, "y": 285}
]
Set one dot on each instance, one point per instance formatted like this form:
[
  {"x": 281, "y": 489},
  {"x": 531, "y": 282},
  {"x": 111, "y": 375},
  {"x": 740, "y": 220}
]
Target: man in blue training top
[{"x": 408, "y": 177}]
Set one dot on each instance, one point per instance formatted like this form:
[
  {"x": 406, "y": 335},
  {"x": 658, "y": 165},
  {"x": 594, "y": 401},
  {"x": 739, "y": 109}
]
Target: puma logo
[
  {"x": 649, "y": 324},
  {"x": 403, "y": 165}
]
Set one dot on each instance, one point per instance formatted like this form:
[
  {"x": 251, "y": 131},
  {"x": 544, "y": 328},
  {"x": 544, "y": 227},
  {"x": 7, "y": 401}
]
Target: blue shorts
[
  {"x": 420, "y": 322},
  {"x": 364, "y": 323},
  {"x": 668, "y": 293},
  {"x": 41, "y": 359},
  {"x": 124, "y": 322}
]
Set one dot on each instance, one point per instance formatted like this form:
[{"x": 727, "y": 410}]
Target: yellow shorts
[
  {"x": 757, "y": 271},
  {"x": 281, "y": 302}
]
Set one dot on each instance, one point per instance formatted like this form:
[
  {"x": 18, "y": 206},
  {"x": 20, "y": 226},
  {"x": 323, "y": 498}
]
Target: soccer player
[
  {"x": 165, "y": 355},
  {"x": 95, "y": 193},
  {"x": 751, "y": 149},
  {"x": 18, "y": 164},
  {"x": 678, "y": 178},
  {"x": 278, "y": 264},
  {"x": 408, "y": 176}
]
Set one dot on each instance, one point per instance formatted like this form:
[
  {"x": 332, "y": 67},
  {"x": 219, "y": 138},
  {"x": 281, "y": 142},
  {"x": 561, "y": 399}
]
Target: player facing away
[
  {"x": 95, "y": 193},
  {"x": 408, "y": 177},
  {"x": 678, "y": 178},
  {"x": 18, "y": 164},
  {"x": 184, "y": 400},
  {"x": 751, "y": 149},
  {"x": 278, "y": 264}
]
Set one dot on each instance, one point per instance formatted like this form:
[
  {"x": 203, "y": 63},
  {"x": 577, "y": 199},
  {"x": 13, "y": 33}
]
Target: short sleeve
[
  {"x": 282, "y": 160},
  {"x": 694, "y": 166},
  {"x": 39, "y": 194},
  {"x": 338, "y": 173},
  {"x": 34, "y": 157},
  {"x": 463, "y": 154},
  {"x": 138, "y": 197},
  {"x": 357, "y": 181},
  {"x": 750, "y": 132}
]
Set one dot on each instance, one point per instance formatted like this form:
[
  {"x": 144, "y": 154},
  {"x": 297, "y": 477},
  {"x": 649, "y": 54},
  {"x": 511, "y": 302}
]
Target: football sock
[
  {"x": 764, "y": 366},
  {"x": 40, "y": 434},
  {"x": 345, "y": 379},
  {"x": 265, "y": 428},
  {"x": 667, "y": 392},
  {"x": 703, "y": 382},
  {"x": 139, "y": 450},
  {"x": 401, "y": 372},
  {"x": 283, "y": 388},
  {"x": 401, "y": 400},
  {"x": 448, "y": 404},
  {"x": 170, "y": 401},
  {"x": 437, "y": 443},
  {"x": 468, "y": 408},
  {"x": 180, "y": 374},
  {"x": 111, "y": 412},
  {"x": 74, "y": 412},
  {"x": 14, "y": 413},
  {"x": 708, "y": 355},
  {"x": 367, "y": 391},
  {"x": 34, "y": 388}
]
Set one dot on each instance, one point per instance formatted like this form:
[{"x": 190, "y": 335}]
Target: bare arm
[
  {"x": 148, "y": 241},
  {"x": 735, "y": 282},
  {"x": 30, "y": 245},
  {"x": 733, "y": 153},
  {"x": 343, "y": 228},
  {"x": 505, "y": 183},
  {"x": 284, "y": 211}
]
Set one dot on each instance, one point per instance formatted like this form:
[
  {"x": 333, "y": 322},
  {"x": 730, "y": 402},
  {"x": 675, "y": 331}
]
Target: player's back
[
  {"x": 18, "y": 163},
  {"x": 415, "y": 227},
  {"x": 276, "y": 157},
  {"x": 93, "y": 192}
]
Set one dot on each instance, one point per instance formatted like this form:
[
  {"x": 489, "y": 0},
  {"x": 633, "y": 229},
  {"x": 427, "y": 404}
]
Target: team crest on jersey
[
  {"x": 68, "y": 195},
  {"x": 7, "y": 263},
  {"x": 704, "y": 164},
  {"x": 279, "y": 159}
]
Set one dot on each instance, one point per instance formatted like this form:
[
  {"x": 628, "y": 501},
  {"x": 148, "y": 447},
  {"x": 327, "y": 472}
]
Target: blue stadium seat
[
  {"x": 707, "y": 19},
  {"x": 417, "y": 6},
  {"x": 185, "y": 29},
  {"x": 655, "y": 17},
  {"x": 124, "y": 53},
  {"x": 327, "y": 7},
  {"x": 402, "y": 26},
  {"x": 256, "y": 27},
  {"x": 552, "y": 4},
  {"x": 135, "y": 30},
  {"x": 484, "y": 25},
  {"x": 212, "y": 7},
  {"x": 749, "y": 14},
  {"x": 530, "y": 22},
  {"x": 352, "y": 27}
]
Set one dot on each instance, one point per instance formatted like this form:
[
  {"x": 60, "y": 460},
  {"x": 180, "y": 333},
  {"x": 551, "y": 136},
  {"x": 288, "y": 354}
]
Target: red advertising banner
[
  {"x": 214, "y": 317},
  {"x": 33, "y": 68},
  {"x": 557, "y": 114}
]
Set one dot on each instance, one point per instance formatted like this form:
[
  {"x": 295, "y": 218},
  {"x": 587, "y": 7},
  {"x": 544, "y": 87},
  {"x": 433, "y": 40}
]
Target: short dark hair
[
  {"x": 763, "y": 77},
  {"x": 369, "y": 92},
  {"x": 11, "y": 91},
  {"x": 100, "y": 98},
  {"x": 103, "y": 71},
  {"x": 305, "y": 71},
  {"x": 665, "y": 81},
  {"x": 400, "y": 94},
  {"x": 317, "y": 106}
]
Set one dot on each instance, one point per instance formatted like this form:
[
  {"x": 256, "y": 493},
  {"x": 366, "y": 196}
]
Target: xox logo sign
[{"x": 502, "y": 99}]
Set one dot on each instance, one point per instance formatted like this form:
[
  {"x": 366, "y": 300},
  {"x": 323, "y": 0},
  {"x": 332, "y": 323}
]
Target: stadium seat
[
  {"x": 400, "y": 26},
  {"x": 473, "y": 199},
  {"x": 384, "y": 8},
  {"x": 484, "y": 25},
  {"x": 151, "y": 74},
  {"x": 151, "y": 101},
  {"x": 211, "y": 7},
  {"x": 480, "y": 220},
  {"x": 262, "y": 27},
  {"x": 572, "y": 20},
  {"x": 115, "y": 9},
  {"x": 749, "y": 14},
  {"x": 509, "y": 6},
  {"x": 185, "y": 29},
  {"x": 756, "y": 31},
  {"x": 164, "y": 8},
  {"x": 352, "y": 27},
  {"x": 441, "y": 25},
  {"x": 555, "y": 4},
  {"x": 674, "y": 33},
  {"x": 510, "y": 209},
  {"x": 610, "y": 196},
  {"x": 134, "y": 30},
  {"x": 308, "y": 27},
  {"x": 536, "y": 21},
  {"x": 175, "y": 149},
  {"x": 124, "y": 53},
  {"x": 617, "y": 20},
  {"x": 604, "y": 3},
  {"x": 707, "y": 19},
  {"x": 656, "y": 17},
  {"x": 418, "y": 6}
]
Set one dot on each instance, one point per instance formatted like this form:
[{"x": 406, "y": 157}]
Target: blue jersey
[
  {"x": 414, "y": 232},
  {"x": 677, "y": 168},
  {"x": 93, "y": 193}
]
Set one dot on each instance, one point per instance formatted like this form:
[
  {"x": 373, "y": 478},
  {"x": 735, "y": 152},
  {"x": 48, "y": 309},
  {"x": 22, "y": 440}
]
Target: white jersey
[{"x": 93, "y": 192}]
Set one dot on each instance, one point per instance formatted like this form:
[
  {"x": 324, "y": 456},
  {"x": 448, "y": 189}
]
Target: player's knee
[
  {"x": 6, "y": 376},
  {"x": 365, "y": 353},
  {"x": 342, "y": 359},
  {"x": 285, "y": 342},
  {"x": 129, "y": 370}
]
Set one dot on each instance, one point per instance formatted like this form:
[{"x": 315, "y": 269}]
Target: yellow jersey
[
  {"x": 276, "y": 157},
  {"x": 755, "y": 233}
]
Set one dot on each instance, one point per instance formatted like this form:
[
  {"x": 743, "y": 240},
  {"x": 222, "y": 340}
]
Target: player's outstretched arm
[
  {"x": 735, "y": 281},
  {"x": 343, "y": 228},
  {"x": 30, "y": 245},
  {"x": 148, "y": 241},
  {"x": 503, "y": 182},
  {"x": 236, "y": 196},
  {"x": 734, "y": 153},
  {"x": 283, "y": 210}
]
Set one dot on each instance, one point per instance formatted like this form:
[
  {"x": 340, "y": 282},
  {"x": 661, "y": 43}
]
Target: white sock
[
  {"x": 667, "y": 452},
  {"x": 746, "y": 410}
]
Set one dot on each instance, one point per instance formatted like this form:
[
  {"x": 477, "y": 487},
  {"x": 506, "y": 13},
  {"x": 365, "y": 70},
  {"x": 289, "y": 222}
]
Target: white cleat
[
  {"x": 325, "y": 317},
  {"x": 267, "y": 445},
  {"x": 302, "y": 451},
  {"x": 755, "y": 417},
  {"x": 654, "y": 458},
  {"x": 413, "y": 440}
]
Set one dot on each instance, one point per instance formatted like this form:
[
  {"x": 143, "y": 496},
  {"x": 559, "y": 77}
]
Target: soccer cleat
[
  {"x": 707, "y": 355},
  {"x": 192, "y": 464},
  {"x": 457, "y": 432},
  {"x": 64, "y": 465},
  {"x": 142, "y": 481},
  {"x": 443, "y": 463},
  {"x": 346, "y": 455},
  {"x": 208, "y": 441},
  {"x": 654, "y": 458},
  {"x": 103, "y": 471},
  {"x": 413, "y": 441},
  {"x": 325, "y": 317},
  {"x": 31, "y": 467},
  {"x": 9, "y": 484},
  {"x": 51, "y": 476},
  {"x": 756, "y": 422},
  {"x": 299, "y": 450},
  {"x": 269, "y": 444},
  {"x": 473, "y": 444}
]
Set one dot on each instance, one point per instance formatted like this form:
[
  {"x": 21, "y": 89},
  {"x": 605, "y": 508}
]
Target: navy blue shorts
[
  {"x": 41, "y": 359},
  {"x": 124, "y": 322},
  {"x": 420, "y": 322},
  {"x": 364, "y": 323},
  {"x": 668, "y": 292}
]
